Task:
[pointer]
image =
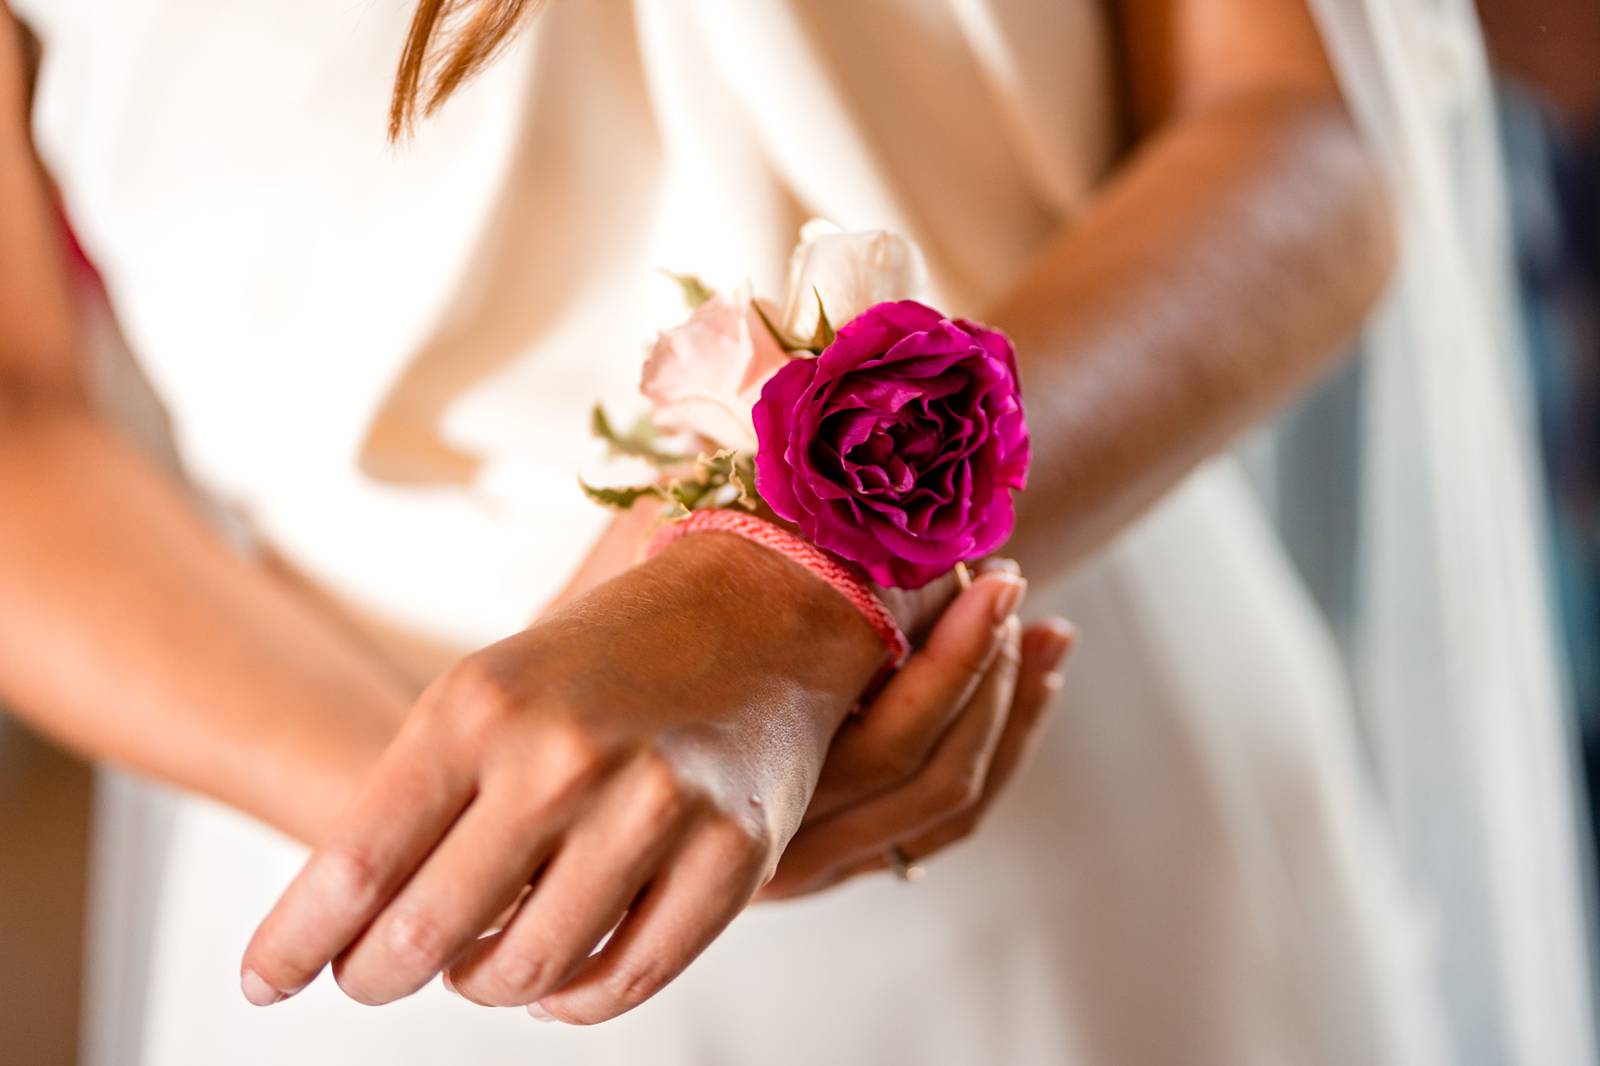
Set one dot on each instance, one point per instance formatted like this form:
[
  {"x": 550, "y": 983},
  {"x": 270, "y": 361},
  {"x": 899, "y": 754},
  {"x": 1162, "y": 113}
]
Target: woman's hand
[
  {"x": 642, "y": 755},
  {"x": 917, "y": 769}
]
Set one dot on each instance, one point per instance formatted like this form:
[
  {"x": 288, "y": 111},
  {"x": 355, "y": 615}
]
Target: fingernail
[
  {"x": 257, "y": 991},
  {"x": 996, "y": 564},
  {"x": 1056, "y": 641},
  {"x": 540, "y": 1013},
  {"x": 1010, "y": 594}
]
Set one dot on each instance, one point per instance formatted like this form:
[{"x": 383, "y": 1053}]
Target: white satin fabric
[{"x": 384, "y": 361}]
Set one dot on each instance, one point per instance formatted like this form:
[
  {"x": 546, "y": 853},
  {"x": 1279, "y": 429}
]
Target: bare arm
[
  {"x": 128, "y": 630},
  {"x": 1220, "y": 271}
]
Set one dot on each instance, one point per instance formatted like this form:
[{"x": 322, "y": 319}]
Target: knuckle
[
  {"x": 949, "y": 834},
  {"x": 660, "y": 795},
  {"x": 896, "y": 764},
  {"x": 746, "y": 843},
  {"x": 476, "y": 694},
  {"x": 349, "y": 875},
  {"x": 961, "y": 829},
  {"x": 956, "y": 792},
  {"x": 636, "y": 982},
  {"x": 416, "y": 940},
  {"x": 570, "y": 756},
  {"x": 516, "y": 979},
  {"x": 750, "y": 834}
]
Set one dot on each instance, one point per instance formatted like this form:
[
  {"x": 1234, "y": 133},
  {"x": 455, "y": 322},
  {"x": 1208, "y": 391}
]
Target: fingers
[
  {"x": 699, "y": 891},
  {"x": 584, "y": 892},
  {"x": 347, "y": 881},
  {"x": 891, "y": 740},
  {"x": 950, "y": 784},
  {"x": 1045, "y": 646},
  {"x": 472, "y": 876}
]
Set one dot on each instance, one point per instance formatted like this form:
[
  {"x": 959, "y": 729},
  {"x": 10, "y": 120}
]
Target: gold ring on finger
[{"x": 903, "y": 866}]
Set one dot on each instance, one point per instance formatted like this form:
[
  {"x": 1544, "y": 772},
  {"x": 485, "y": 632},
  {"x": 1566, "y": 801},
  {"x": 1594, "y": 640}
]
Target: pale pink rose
[
  {"x": 850, "y": 272},
  {"x": 705, "y": 375}
]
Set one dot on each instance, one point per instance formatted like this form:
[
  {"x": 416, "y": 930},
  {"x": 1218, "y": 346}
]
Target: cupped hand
[
  {"x": 916, "y": 770},
  {"x": 640, "y": 757}
]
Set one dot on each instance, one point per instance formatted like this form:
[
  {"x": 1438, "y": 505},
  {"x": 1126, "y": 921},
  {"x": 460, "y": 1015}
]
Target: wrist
[
  {"x": 913, "y": 610},
  {"x": 785, "y": 620}
]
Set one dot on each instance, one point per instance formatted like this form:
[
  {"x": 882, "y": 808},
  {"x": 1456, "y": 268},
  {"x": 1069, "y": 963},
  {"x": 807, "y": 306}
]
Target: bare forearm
[
  {"x": 130, "y": 632},
  {"x": 1223, "y": 270}
]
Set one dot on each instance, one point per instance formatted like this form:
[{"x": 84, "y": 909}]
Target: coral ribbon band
[{"x": 808, "y": 555}]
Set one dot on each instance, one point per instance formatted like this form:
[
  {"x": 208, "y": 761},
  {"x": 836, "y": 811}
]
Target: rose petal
[{"x": 850, "y": 272}]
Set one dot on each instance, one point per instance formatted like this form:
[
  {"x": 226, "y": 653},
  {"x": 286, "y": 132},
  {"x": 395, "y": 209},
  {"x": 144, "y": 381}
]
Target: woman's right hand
[{"x": 641, "y": 756}]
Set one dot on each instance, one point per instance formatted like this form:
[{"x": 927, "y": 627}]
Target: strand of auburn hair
[{"x": 449, "y": 42}]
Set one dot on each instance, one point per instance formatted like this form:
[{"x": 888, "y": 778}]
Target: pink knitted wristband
[{"x": 808, "y": 555}]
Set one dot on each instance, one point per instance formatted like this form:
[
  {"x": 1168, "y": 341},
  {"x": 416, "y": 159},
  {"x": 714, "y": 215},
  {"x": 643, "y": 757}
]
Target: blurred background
[
  {"x": 1546, "y": 55},
  {"x": 1544, "y": 52}
]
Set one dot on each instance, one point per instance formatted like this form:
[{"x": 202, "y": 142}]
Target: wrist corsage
[{"x": 889, "y": 435}]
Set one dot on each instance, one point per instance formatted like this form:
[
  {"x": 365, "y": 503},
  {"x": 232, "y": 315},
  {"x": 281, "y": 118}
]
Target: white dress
[{"x": 382, "y": 360}]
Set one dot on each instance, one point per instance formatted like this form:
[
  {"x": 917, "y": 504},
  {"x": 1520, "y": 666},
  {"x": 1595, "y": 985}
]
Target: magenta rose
[{"x": 898, "y": 448}]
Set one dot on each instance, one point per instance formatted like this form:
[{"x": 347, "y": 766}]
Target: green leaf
[
  {"x": 624, "y": 497},
  {"x": 714, "y": 467},
  {"x": 786, "y": 342},
  {"x": 695, "y": 291},
  {"x": 684, "y": 491},
  {"x": 824, "y": 333},
  {"x": 620, "y": 498},
  {"x": 743, "y": 478},
  {"x": 600, "y": 425},
  {"x": 821, "y": 337},
  {"x": 723, "y": 478},
  {"x": 639, "y": 442}
]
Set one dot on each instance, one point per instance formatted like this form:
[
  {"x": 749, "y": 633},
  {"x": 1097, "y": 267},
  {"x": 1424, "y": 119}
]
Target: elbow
[
  {"x": 1346, "y": 190},
  {"x": 1366, "y": 219},
  {"x": 1329, "y": 208},
  {"x": 1316, "y": 197}
]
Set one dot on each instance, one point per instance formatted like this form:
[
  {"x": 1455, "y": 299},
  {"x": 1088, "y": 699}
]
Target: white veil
[{"x": 1449, "y": 637}]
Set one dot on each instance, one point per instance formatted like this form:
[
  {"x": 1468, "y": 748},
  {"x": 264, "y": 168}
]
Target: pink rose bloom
[
  {"x": 704, "y": 376},
  {"x": 899, "y": 447}
]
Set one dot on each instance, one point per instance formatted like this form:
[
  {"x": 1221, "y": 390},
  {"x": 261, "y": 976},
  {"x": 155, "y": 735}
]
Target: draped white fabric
[
  {"x": 1453, "y": 649},
  {"x": 1194, "y": 869}
]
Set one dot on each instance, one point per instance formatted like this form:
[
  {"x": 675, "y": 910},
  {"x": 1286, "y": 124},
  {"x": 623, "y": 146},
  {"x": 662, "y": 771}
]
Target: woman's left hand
[{"x": 915, "y": 771}]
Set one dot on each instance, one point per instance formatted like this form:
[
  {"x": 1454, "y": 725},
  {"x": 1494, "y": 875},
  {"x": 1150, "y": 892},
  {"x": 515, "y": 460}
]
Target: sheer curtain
[{"x": 1446, "y": 620}]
